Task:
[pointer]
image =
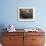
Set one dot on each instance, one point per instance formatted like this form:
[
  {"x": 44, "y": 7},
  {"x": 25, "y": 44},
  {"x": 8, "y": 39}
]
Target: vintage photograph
[{"x": 26, "y": 14}]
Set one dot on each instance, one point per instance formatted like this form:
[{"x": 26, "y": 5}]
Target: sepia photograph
[{"x": 26, "y": 14}]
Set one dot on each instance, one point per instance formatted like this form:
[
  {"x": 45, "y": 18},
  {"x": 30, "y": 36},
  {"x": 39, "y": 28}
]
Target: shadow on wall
[{"x": 2, "y": 27}]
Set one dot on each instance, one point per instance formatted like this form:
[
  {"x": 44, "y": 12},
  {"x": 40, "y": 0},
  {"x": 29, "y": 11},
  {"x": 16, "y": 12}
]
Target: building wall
[{"x": 9, "y": 13}]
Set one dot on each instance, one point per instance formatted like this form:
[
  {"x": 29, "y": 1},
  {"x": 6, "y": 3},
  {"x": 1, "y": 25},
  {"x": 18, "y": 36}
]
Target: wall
[{"x": 8, "y": 13}]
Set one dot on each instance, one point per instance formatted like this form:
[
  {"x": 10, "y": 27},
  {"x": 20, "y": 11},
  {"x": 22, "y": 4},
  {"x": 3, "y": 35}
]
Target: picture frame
[{"x": 26, "y": 14}]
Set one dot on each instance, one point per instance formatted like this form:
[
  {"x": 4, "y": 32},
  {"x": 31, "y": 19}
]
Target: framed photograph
[{"x": 26, "y": 14}]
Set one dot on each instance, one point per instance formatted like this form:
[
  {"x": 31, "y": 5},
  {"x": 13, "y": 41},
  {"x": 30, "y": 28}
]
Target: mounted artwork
[{"x": 26, "y": 14}]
